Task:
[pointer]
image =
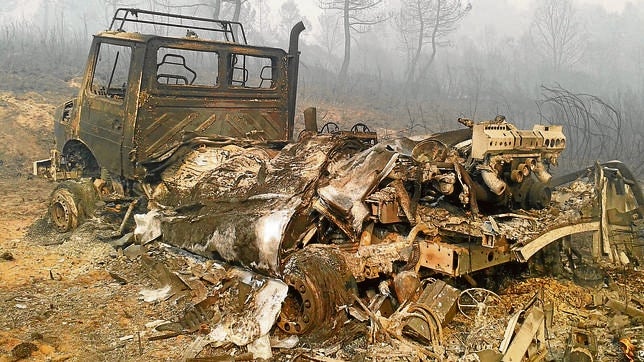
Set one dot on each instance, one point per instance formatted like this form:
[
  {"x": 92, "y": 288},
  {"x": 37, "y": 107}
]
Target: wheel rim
[
  {"x": 319, "y": 281},
  {"x": 302, "y": 309},
  {"x": 478, "y": 302},
  {"x": 63, "y": 211}
]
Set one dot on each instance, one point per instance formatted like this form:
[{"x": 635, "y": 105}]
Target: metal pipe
[
  {"x": 493, "y": 182},
  {"x": 483, "y": 193},
  {"x": 516, "y": 176},
  {"x": 127, "y": 216},
  {"x": 293, "y": 66},
  {"x": 310, "y": 119},
  {"x": 541, "y": 173}
]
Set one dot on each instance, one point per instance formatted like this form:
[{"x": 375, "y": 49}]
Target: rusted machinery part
[
  {"x": 430, "y": 150},
  {"x": 580, "y": 354},
  {"x": 477, "y": 302},
  {"x": 588, "y": 275},
  {"x": 531, "y": 194},
  {"x": 330, "y": 127},
  {"x": 63, "y": 211},
  {"x": 623, "y": 169},
  {"x": 70, "y": 203},
  {"x": 434, "y": 327},
  {"x": 414, "y": 258},
  {"x": 319, "y": 282},
  {"x": 360, "y": 127}
]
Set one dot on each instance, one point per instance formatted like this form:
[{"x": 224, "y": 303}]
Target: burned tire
[
  {"x": 70, "y": 203},
  {"x": 78, "y": 157},
  {"x": 319, "y": 281},
  {"x": 588, "y": 275}
]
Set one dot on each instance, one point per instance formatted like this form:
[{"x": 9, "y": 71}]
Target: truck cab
[{"x": 144, "y": 94}]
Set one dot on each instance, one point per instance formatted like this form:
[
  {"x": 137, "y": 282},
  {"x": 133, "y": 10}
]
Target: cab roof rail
[{"x": 232, "y": 31}]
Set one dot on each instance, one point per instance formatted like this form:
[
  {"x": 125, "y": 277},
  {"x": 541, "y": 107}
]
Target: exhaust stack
[{"x": 293, "y": 66}]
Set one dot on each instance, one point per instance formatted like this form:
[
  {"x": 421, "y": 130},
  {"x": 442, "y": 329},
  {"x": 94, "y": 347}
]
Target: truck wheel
[
  {"x": 319, "y": 281},
  {"x": 63, "y": 210},
  {"x": 70, "y": 202}
]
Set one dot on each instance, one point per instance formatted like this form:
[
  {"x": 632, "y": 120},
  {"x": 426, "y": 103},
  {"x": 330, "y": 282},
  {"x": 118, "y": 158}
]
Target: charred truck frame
[{"x": 204, "y": 130}]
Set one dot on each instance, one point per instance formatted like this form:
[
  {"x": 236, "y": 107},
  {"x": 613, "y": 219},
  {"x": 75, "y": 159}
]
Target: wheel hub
[
  {"x": 63, "y": 211},
  {"x": 319, "y": 280}
]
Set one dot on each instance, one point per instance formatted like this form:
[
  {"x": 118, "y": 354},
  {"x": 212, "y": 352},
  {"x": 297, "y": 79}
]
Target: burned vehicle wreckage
[{"x": 203, "y": 130}]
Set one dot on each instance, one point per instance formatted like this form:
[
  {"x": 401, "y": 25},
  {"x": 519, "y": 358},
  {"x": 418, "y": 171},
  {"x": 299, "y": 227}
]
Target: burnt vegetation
[
  {"x": 409, "y": 77},
  {"x": 598, "y": 130},
  {"x": 401, "y": 76}
]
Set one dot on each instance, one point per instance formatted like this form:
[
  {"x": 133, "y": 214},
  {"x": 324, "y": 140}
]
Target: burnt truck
[{"x": 202, "y": 126}]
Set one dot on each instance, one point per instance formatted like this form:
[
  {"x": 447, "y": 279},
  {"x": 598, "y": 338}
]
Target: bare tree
[
  {"x": 358, "y": 17},
  {"x": 110, "y": 7},
  {"x": 289, "y": 14},
  {"x": 427, "y": 22},
  {"x": 330, "y": 37},
  {"x": 595, "y": 129},
  {"x": 221, "y": 9},
  {"x": 556, "y": 33},
  {"x": 217, "y": 5}
]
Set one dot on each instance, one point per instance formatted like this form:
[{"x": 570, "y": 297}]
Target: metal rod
[{"x": 127, "y": 215}]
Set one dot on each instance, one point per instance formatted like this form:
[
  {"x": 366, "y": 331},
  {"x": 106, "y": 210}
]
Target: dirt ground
[
  {"x": 59, "y": 298},
  {"x": 74, "y": 297}
]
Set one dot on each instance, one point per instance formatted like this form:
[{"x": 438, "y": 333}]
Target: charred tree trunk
[
  {"x": 347, "y": 42},
  {"x": 216, "y": 5},
  {"x": 238, "y": 5}
]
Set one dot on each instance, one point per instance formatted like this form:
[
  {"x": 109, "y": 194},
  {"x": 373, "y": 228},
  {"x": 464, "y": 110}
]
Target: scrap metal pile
[
  {"x": 398, "y": 201},
  {"x": 329, "y": 213}
]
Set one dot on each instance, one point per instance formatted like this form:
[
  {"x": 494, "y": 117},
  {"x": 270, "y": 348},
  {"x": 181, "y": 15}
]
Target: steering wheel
[
  {"x": 360, "y": 128},
  {"x": 478, "y": 302}
]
